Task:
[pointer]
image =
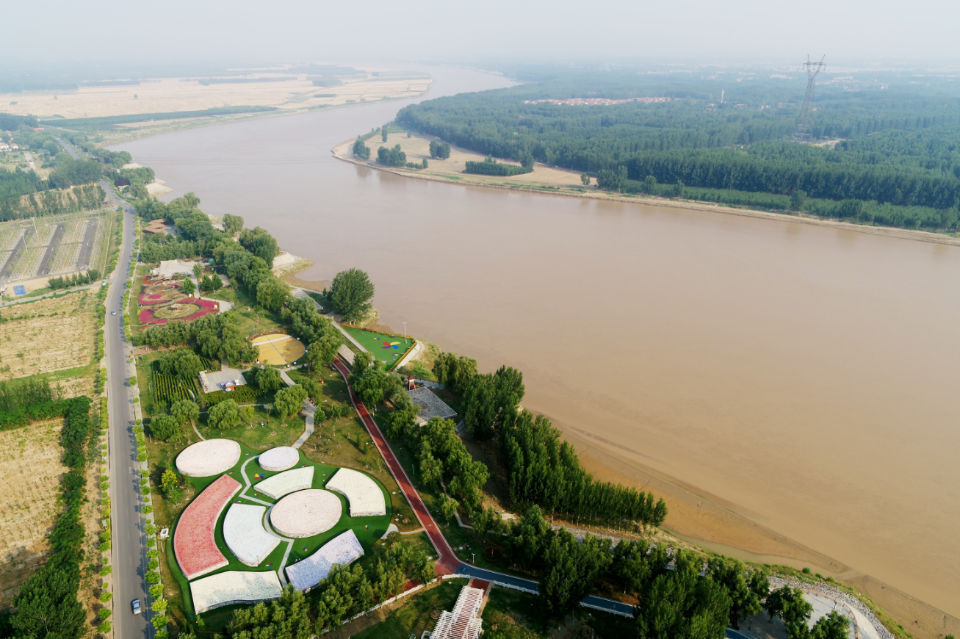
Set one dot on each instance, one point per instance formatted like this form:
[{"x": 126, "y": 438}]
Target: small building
[
  {"x": 464, "y": 621},
  {"x": 429, "y": 405}
]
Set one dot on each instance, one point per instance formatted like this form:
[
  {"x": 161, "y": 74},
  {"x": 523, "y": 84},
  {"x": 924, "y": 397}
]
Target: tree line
[
  {"x": 46, "y": 605},
  {"x": 898, "y": 147},
  {"x": 541, "y": 468},
  {"x": 76, "y": 279},
  {"x": 491, "y": 167}
]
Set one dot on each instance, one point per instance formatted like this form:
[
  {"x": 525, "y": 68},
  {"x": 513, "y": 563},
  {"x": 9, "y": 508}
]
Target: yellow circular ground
[{"x": 277, "y": 349}]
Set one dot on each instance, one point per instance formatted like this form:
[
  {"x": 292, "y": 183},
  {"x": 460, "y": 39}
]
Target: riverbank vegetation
[{"x": 881, "y": 150}]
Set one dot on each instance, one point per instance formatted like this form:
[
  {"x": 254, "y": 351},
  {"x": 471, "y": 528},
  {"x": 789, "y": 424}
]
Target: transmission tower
[{"x": 805, "y": 117}]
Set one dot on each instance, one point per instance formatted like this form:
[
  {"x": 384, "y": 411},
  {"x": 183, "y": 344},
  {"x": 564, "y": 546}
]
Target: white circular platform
[
  {"x": 306, "y": 513},
  {"x": 209, "y": 457},
  {"x": 279, "y": 458}
]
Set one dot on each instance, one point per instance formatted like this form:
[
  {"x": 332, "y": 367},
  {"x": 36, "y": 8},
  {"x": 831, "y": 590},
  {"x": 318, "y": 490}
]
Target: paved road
[
  {"x": 129, "y": 549},
  {"x": 129, "y": 540}
]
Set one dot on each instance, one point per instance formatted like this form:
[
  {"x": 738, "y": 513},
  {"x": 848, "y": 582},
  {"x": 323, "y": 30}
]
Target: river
[{"x": 791, "y": 388}]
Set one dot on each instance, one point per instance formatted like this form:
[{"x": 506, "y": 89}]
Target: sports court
[
  {"x": 387, "y": 348},
  {"x": 277, "y": 349}
]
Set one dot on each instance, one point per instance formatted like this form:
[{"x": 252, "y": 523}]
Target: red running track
[{"x": 447, "y": 561}]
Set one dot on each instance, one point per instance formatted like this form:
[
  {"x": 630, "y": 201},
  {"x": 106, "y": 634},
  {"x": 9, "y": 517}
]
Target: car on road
[
  {"x": 113, "y": 312},
  {"x": 135, "y": 606}
]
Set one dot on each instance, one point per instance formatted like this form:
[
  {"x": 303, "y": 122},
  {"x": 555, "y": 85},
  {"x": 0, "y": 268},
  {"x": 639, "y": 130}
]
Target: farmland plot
[
  {"x": 48, "y": 335},
  {"x": 31, "y": 468}
]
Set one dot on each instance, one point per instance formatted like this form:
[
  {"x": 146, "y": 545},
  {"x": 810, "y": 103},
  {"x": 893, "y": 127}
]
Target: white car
[{"x": 135, "y": 606}]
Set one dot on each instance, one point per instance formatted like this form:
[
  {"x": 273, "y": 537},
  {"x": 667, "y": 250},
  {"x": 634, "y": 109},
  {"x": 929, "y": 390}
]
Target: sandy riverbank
[
  {"x": 278, "y": 89},
  {"x": 554, "y": 181}
]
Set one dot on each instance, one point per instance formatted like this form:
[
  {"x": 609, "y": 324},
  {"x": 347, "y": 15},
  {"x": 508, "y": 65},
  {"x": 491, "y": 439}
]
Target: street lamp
[{"x": 404, "y": 330}]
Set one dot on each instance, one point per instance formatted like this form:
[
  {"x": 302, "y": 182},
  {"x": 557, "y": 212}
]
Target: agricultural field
[
  {"x": 33, "y": 250},
  {"x": 385, "y": 347},
  {"x": 170, "y": 388},
  {"x": 48, "y": 335},
  {"x": 30, "y": 464}
]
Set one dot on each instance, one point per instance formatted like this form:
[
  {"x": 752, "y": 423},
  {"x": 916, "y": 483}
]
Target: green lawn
[{"x": 387, "y": 348}]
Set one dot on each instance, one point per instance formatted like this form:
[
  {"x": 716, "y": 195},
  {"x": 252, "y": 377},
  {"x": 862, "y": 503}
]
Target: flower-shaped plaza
[{"x": 251, "y": 530}]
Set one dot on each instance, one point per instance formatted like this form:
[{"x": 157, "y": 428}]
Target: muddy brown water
[{"x": 803, "y": 377}]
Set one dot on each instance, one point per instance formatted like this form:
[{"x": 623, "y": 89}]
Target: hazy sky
[{"x": 848, "y": 31}]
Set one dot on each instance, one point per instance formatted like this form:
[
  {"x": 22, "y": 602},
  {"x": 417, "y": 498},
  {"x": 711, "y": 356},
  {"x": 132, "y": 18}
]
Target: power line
[{"x": 805, "y": 117}]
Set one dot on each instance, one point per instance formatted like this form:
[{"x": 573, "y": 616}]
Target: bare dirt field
[
  {"x": 285, "y": 91},
  {"x": 48, "y": 335},
  {"x": 31, "y": 469}
]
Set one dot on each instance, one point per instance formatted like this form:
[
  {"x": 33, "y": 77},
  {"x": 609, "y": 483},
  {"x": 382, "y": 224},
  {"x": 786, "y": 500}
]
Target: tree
[
  {"x": 289, "y": 401},
  {"x": 184, "y": 411},
  {"x": 323, "y": 350},
  {"x": 833, "y": 626},
  {"x": 266, "y": 379},
  {"x": 585, "y": 179},
  {"x": 391, "y": 157},
  {"x": 272, "y": 293},
  {"x": 170, "y": 484},
  {"x": 797, "y": 198},
  {"x": 232, "y": 224},
  {"x": 187, "y": 286},
  {"x": 361, "y": 150},
  {"x": 350, "y": 294},
  {"x": 383, "y": 133},
  {"x": 612, "y": 179},
  {"x": 164, "y": 428},
  {"x": 225, "y": 415},
  {"x": 849, "y": 208},
  {"x": 211, "y": 283},
  {"x": 369, "y": 384},
  {"x": 197, "y": 271},
  {"x": 572, "y": 568},
  {"x": 182, "y": 362},
  {"x": 448, "y": 507},
  {"x": 431, "y": 469},
  {"x": 747, "y": 591},
  {"x": 788, "y": 604},
  {"x": 439, "y": 150},
  {"x": 259, "y": 242}
]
